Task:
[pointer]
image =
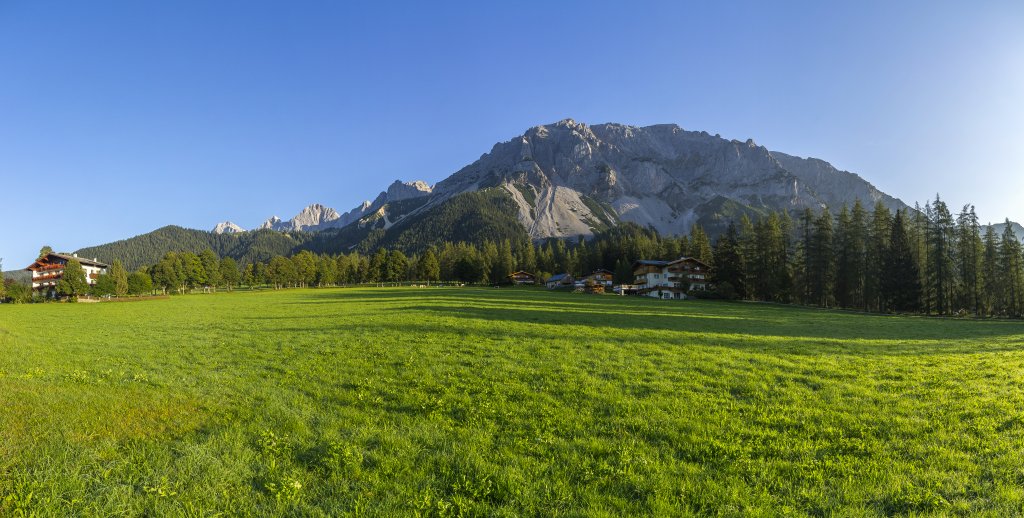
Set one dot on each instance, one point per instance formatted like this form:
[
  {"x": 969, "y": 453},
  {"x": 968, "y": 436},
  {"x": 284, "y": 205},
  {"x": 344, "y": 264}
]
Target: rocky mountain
[
  {"x": 313, "y": 217},
  {"x": 999, "y": 228},
  {"x": 227, "y": 227},
  {"x": 318, "y": 217},
  {"x": 570, "y": 179}
]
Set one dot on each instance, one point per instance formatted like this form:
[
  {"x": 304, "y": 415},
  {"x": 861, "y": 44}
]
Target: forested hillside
[{"x": 147, "y": 249}]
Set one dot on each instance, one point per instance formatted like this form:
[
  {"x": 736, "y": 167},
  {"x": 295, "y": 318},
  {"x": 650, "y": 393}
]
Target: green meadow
[{"x": 503, "y": 402}]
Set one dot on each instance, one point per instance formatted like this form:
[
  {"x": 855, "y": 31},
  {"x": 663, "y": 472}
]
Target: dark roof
[
  {"x": 694, "y": 259},
  {"x": 82, "y": 260},
  {"x": 559, "y": 276},
  {"x": 647, "y": 262},
  {"x": 601, "y": 270}
]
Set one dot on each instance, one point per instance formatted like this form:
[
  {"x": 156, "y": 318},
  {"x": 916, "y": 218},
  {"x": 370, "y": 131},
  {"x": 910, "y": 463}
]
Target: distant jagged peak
[
  {"x": 227, "y": 227},
  {"x": 400, "y": 190},
  {"x": 270, "y": 224}
]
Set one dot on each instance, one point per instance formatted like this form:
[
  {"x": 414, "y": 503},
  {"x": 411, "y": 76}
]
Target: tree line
[{"x": 925, "y": 260}]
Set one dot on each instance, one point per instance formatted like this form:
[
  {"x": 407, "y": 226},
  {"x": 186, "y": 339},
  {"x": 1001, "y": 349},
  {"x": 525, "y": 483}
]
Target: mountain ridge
[{"x": 569, "y": 179}]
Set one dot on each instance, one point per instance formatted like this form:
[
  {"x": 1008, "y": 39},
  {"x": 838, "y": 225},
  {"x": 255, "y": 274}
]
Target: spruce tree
[
  {"x": 822, "y": 260},
  {"x": 1011, "y": 272},
  {"x": 700, "y": 245},
  {"x": 969, "y": 251},
  {"x": 878, "y": 235},
  {"x": 940, "y": 256},
  {"x": 728, "y": 273},
  {"x": 901, "y": 284},
  {"x": 991, "y": 289}
]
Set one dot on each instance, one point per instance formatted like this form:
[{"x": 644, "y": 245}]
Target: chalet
[
  {"x": 523, "y": 278},
  {"x": 49, "y": 269},
  {"x": 670, "y": 279},
  {"x": 561, "y": 280},
  {"x": 600, "y": 276}
]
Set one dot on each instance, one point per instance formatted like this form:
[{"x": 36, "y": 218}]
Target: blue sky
[{"x": 117, "y": 118}]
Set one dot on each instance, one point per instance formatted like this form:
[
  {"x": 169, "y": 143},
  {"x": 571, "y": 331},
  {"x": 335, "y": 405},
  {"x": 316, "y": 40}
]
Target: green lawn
[{"x": 503, "y": 402}]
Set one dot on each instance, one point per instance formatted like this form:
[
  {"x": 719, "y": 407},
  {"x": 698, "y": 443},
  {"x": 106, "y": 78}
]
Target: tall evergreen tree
[
  {"x": 969, "y": 251},
  {"x": 804, "y": 252},
  {"x": 728, "y": 272},
  {"x": 876, "y": 249},
  {"x": 700, "y": 245},
  {"x": 940, "y": 256},
  {"x": 821, "y": 260},
  {"x": 1011, "y": 272},
  {"x": 901, "y": 285},
  {"x": 991, "y": 289}
]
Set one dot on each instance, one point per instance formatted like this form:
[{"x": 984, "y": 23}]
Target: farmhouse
[
  {"x": 560, "y": 280},
  {"x": 600, "y": 276},
  {"x": 49, "y": 269},
  {"x": 670, "y": 279},
  {"x": 523, "y": 278}
]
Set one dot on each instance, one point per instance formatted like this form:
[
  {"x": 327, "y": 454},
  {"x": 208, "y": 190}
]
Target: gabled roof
[
  {"x": 601, "y": 270},
  {"x": 648, "y": 262},
  {"x": 65, "y": 257},
  {"x": 520, "y": 273},
  {"x": 559, "y": 277},
  {"x": 690, "y": 259}
]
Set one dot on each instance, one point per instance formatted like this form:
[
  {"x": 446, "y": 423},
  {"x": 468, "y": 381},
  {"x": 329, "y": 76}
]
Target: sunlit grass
[{"x": 503, "y": 402}]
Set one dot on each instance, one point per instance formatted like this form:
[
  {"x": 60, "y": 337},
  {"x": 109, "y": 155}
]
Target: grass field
[{"x": 503, "y": 402}]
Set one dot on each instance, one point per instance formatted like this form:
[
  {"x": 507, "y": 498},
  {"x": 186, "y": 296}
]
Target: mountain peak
[{"x": 227, "y": 227}]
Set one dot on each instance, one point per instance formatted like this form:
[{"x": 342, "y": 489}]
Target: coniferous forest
[{"x": 926, "y": 260}]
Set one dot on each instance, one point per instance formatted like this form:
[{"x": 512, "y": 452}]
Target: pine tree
[
  {"x": 969, "y": 251},
  {"x": 901, "y": 284},
  {"x": 700, "y": 245},
  {"x": 991, "y": 292},
  {"x": 748, "y": 251},
  {"x": 876, "y": 250},
  {"x": 728, "y": 273},
  {"x": 803, "y": 260},
  {"x": 940, "y": 260},
  {"x": 45, "y": 251},
  {"x": 822, "y": 260},
  {"x": 1011, "y": 273}
]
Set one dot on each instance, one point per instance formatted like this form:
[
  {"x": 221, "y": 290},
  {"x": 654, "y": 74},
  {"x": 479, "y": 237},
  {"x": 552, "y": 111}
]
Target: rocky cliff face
[
  {"x": 569, "y": 178},
  {"x": 313, "y": 217},
  {"x": 227, "y": 227},
  {"x": 318, "y": 217}
]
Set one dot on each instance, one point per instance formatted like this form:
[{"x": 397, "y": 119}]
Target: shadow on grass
[{"x": 726, "y": 320}]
